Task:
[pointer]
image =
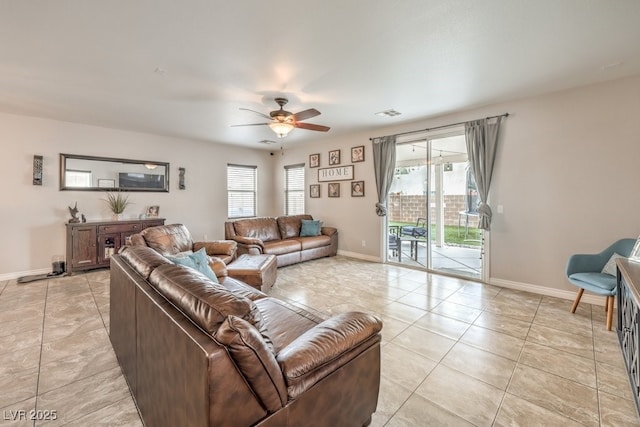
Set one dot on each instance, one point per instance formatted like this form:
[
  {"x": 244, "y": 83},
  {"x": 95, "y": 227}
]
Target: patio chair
[
  {"x": 418, "y": 230},
  {"x": 597, "y": 273}
]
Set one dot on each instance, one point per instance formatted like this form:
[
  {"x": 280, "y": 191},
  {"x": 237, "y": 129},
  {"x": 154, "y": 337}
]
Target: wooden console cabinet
[
  {"x": 91, "y": 244},
  {"x": 628, "y": 294}
]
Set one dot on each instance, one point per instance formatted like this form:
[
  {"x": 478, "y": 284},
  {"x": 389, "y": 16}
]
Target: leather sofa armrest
[
  {"x": 328, "y": 231},
  {"x": 325, "y": 348},
  {"x": 217, "y": 247},
  {"x": 218, "y": 266},
  {"x": 250, "y": 241}
]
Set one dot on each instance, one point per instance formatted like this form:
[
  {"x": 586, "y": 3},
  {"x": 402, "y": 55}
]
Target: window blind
[
  {"x": 241, "y": 191},
  {"x": 294, "y": 189}
]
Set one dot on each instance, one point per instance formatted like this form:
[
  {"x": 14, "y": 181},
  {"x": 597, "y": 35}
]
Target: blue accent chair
[{"x": 585, "y": 272}]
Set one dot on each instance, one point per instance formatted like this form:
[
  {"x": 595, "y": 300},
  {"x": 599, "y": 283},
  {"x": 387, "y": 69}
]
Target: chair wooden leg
[
  {"x": 577, "y": 300},
  {"x": 606, "y": 304},
  {"x": 609, "y": 312}
]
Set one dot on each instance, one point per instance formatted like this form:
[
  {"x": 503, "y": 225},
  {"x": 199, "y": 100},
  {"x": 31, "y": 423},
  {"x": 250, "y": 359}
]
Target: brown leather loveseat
[
  {"x": 200, "y": 353},
  {"x": 280, "y": 236}
]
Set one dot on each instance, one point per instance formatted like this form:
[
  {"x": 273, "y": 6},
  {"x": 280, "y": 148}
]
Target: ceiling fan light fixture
[{"x": 281, "y": 129}]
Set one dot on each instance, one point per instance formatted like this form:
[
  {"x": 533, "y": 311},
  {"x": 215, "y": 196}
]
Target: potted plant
[{"x": 117, "y": 202}]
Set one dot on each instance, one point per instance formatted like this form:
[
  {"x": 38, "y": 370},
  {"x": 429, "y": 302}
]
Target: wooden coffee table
[{"x": 259, "y": 271}]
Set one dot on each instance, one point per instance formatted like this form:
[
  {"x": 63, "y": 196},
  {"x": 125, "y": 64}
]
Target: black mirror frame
[{"x": 63, "y": 162}]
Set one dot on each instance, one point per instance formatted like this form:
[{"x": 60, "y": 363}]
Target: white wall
[
  {"x": 33, "y": 217},
  {"x": 567, "y": 174}
]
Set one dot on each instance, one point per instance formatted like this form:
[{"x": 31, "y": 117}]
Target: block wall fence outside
[{"x": 408, "y": 208}]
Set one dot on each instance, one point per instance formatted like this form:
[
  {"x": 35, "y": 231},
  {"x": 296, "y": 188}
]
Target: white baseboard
[
  {"x": 359, "y": 256},
  {"x": 551, "y": 292},
  {"x": 11, "y": 276}
]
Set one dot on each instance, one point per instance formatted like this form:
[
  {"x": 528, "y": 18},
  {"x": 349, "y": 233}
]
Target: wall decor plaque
[{"x": 338, "y": 173}]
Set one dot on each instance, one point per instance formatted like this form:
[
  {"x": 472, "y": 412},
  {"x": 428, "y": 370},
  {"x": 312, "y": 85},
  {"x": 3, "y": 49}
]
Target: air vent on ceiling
[{"x": 388, "y": 113}]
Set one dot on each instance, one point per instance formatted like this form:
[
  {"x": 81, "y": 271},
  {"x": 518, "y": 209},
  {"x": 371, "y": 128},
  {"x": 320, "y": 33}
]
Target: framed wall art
[
  {"x": 357, "y": 154},
  {"x": 314, "y": 160},
  {"x": 106, "y": 183},
  {"x": 334, "y": 189},
  {"x": 357, "y": 189},
  {"x": 314, "y": 191},
  {"x": 334, "y": 157}
]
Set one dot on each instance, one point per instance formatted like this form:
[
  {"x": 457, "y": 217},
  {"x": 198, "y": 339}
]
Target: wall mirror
[{"x": 90, "y": 173}]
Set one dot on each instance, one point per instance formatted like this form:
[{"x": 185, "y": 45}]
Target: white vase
[{"x": 116, "y": 217}]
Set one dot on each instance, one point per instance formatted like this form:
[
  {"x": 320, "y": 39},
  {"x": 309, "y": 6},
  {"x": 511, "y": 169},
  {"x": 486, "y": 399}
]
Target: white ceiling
[{"x": 184, "y": 68}]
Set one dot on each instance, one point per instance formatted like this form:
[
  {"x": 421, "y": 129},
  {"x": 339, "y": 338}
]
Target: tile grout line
[{"x": 44, "y": 312}]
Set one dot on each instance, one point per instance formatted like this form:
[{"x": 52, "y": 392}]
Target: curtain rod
[{"x": 444, "y": 126}]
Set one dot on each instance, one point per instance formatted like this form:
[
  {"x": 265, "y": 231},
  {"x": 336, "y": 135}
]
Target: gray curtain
[
  {"x": 482, "y": 141},
  {"x": 384, "y": 164}
]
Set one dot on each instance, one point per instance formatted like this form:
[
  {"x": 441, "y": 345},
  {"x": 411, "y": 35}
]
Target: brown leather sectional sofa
[
  {"x": 280, "y": 236},
  {"x": 197, "y": 353}
]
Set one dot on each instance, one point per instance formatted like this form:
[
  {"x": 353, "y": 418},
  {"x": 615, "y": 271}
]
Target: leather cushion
[
  {"x": 280, "y": 247},
  {"x": 143, "y": 259},
  {"x": 314, "y": 242},
  {"x": 255, "y": 360},
  {"x": 204, "y": 302},
  {"x": 290, "y": 225},
  {"x": 168, "y": 239},
  {"x": 265, "y": 229}
]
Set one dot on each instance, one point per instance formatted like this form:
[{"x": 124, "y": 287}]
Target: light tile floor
[{"x": 454, "y": 352}]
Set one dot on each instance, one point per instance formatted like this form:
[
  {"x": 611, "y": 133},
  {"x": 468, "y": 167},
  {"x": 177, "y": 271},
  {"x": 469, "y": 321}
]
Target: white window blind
[
  {"x": 294, "y": 189},
  {"x": 241, "y": 191},
  {"x": 78, "y": 178}
]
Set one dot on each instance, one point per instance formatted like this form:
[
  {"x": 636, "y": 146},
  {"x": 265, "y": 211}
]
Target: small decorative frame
[
  {"x": 357, "y": 189},
  {"x": 334, "y": 157},
  {"x": 357, "y": 154},
  {"x": 107, "y": 183},
  {"x": 153, "y": 211},
  {"x": 635, "y": 252},
  {"x": 334, "y": 189},
  {"x": 314, "y": 191},
  {"x": 314, "y": 160}
]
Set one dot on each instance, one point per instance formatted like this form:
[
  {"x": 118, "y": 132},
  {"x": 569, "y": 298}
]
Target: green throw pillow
[
  {"x": 309, "y": 228},
  {"x": 198, "y": 260}
]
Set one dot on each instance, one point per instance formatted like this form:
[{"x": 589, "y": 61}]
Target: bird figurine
[{"x": 74, "y": 214}]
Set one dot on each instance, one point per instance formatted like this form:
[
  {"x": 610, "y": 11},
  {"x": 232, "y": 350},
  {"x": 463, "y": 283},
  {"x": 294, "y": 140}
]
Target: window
[
  {"x": 294, "y": 189},
  {"x": 78, "y": 178},
  {"x": 241, "y": 191}
]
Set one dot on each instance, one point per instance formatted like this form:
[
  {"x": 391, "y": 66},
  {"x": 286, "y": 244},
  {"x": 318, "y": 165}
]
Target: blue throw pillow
[
  {"x": 198, "y": 261},
  {"x": 309, "y": 228}
]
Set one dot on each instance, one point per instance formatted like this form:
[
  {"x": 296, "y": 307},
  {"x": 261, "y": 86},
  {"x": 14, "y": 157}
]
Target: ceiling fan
[{"x": 282, "y": 122}]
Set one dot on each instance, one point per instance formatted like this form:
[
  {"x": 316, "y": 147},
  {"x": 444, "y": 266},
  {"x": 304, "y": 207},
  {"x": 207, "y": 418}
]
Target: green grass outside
[{"x": 451, "y": 232}]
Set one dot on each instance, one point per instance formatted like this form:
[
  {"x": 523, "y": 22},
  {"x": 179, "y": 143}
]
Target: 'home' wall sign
[{"x": 338, "y": 173}]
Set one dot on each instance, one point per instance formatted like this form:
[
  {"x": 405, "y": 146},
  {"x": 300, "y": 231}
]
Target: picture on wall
[
  {"x": 357, "y": 154},
  {"x": 314, "y": 191},
  {"x": 357, "y": 189},
  {"x": 334, "y": 189},
  {"x": 314, "y": 160},
  {"x": 334, "y": 157}
]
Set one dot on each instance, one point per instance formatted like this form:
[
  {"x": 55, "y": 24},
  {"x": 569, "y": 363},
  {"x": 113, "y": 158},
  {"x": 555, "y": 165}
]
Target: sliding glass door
[{"x": 432, "y": 205}]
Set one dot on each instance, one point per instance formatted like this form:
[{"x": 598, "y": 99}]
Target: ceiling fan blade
[
  {"x": 250, "y": 124},
  {"x": 257, "y": 112},
  {"x": 306, "y": 114},
  {"x": 310, "y": 126}
]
